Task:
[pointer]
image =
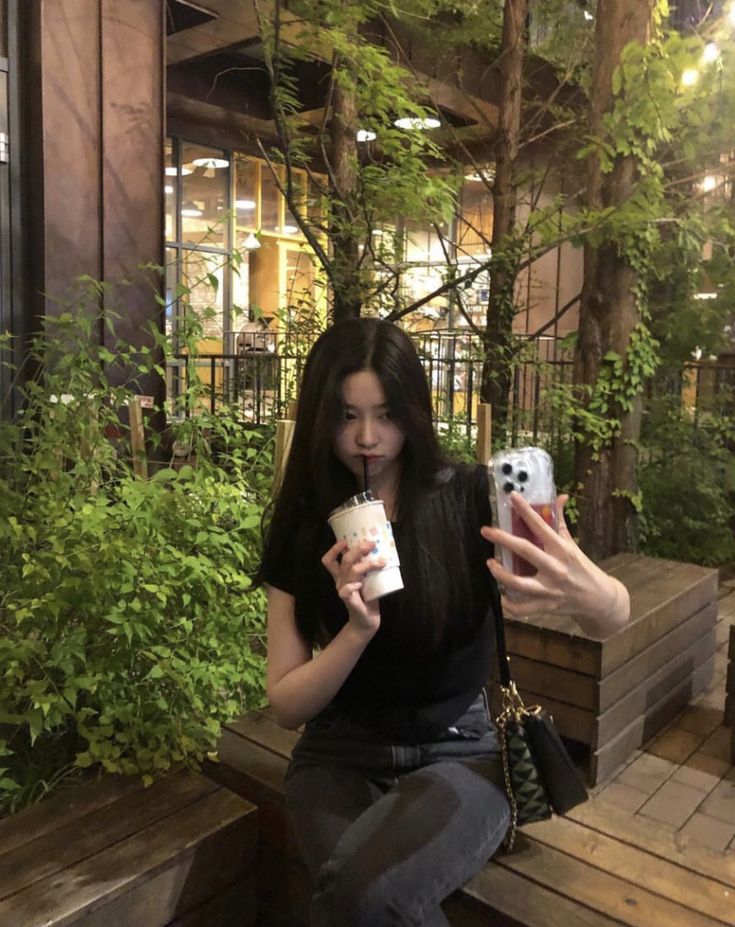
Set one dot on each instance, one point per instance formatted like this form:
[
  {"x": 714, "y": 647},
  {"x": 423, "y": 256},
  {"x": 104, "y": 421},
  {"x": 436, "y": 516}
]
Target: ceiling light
[
  {"x": 709, "y": 183},
  {"x": 485, "y": 175},
  {"x": 289, "y": 229},
  {"x": 417, "y": 122},
  {"x": 172, "y": 171},
  {"x": 711, "y": 53},
  {"x": 251, "y": 243},
  {"x": 366, "y": 135},
  {"x": 191, "y": 210},
  {"x": 168, "y": 189},
  {"x": 705, "y": 295},
  {"x": 689, "y": 77},
  {"x": 245, "y": 204},
  {"x": 588, "y": 16},
  {"x": 211, "y": 162}
]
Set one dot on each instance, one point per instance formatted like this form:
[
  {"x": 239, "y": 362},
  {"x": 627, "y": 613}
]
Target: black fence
[{"x": 258, "y": 380}]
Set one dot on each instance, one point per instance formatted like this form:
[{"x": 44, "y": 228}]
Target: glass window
[
  {"x": 269, "y": 202},
  {"x": 170, "y": 189},
  {"x": 204, "y": 195},
  {"x": 246, "y": 193},
  {"x": 202, "y": 273},
  {"x": 290, "y": 226},
  {"x": 475, "y": 223}
]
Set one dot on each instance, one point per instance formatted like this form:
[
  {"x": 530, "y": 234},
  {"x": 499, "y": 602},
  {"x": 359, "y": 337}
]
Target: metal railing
[{"x": 259, "y": 380}]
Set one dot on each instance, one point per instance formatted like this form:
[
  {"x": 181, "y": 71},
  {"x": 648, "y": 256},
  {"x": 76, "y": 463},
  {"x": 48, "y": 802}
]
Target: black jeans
[{"x": 388, "y": 831}]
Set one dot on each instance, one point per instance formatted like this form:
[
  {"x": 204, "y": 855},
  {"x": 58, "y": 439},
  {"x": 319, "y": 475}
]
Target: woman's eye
[{"x": 349, "y": 416}]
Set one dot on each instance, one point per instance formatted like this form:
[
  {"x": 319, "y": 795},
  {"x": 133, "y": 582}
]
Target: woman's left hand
[{"x": 566, "y": 580}]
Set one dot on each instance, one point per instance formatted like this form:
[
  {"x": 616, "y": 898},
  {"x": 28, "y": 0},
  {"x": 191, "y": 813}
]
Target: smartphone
[{"x": 530, "y": 472}]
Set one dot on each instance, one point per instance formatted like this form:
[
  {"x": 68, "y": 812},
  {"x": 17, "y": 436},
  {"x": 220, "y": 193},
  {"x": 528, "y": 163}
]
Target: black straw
[{"x": 366, "y": 481}]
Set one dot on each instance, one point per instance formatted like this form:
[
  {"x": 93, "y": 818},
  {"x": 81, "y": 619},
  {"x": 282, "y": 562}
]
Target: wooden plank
[
  {"x": 571, "y": 721},
  {"x": 78, "y": 890},
  {"x": 262, "y": 729},
  {"x": 576, "y": 653},
  {"x": 654, "y": 688},
  {"x": 566, "y": 686},
  {"x": 600, "y": 891},
  {"x": 484, "y": 450},
  {"x": 236, "y": 906},
  {"x": 618, "y": 683},
  {"x": 607, "y": 759},
  {"x": 666, "y": 878},
  {"x": 61, "y": 809},
  {"x": 40, "y": 859},
  {"x": 644, "y": 834},
  {"x": 664, "y": 605},
  {"x": 513, "y": 900},
  {"x": 137, "y": 438},
  {"x": 192, "y": 881}
]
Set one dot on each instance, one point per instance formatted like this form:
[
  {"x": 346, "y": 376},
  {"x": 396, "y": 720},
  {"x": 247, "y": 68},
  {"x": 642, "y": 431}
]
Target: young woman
[{"x": 395, "y": 787}]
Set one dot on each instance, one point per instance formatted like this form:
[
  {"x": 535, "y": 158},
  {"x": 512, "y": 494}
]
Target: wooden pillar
[{"x": 94, "y": 105}]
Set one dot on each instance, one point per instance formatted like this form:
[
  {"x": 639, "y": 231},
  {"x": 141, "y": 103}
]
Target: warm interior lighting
[
  {"x": 709, "y": 183},
  {"x": 711, "y": 53},
  {"x": 588, "y": 16},
  {"x": 689, "y": 77},
  {"x": 171, "y": 171},
  {"x": 251, "y": 243},
  {"x": 366, "y": 135},
  {"x": 211, "y": 162},
  {"x": 417, "y": 122},
  {"x": 705, "y": 295},
  {"x": 245, "y": 204},
  {"x": 168, "y": 189},
  {"x": 191, "y": 210},
  {"x": 289, "y": 229}
]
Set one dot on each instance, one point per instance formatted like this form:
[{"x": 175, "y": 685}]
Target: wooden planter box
[
  {"x": 113, "y": 854},
  {"x": 613, "y": 695}
]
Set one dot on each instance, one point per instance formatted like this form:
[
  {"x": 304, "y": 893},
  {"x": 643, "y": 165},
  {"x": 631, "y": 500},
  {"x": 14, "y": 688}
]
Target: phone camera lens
[
  {"x": 508, "y": 487},
  {"x": 507, "y": 469},
  {"x": 523, "y": 476}
]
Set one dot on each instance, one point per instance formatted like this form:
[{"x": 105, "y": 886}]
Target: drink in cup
[{"x": 362, "y": 518}]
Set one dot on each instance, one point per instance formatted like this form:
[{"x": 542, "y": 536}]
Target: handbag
[{"x": 540, "y": 777}]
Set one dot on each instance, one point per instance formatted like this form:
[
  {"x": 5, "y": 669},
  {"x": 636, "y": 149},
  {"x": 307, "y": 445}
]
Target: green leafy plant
[
  {"x": 687, "y": 481},
  {"x": 129, "y": 629}
]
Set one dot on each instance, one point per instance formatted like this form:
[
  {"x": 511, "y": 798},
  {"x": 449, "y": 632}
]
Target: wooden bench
[
  {"x": 596, "y": 868},
  {"x": 113, "y": 854},
  {"x": 611, "y": 696}
]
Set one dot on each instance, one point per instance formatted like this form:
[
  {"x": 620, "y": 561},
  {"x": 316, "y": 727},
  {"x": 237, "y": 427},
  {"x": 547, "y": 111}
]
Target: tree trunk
[
  {"x": 345, "y": 251},
  {"x": 497, "y": 337},
  {"x": 608, "y": 308}
]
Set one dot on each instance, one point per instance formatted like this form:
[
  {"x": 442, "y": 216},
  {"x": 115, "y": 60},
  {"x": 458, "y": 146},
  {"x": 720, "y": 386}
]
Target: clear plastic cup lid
[{"x": 359, "y": 498}]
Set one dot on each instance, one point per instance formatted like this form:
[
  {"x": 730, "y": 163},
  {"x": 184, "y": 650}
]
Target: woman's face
[{"x": 367, "y": 431}]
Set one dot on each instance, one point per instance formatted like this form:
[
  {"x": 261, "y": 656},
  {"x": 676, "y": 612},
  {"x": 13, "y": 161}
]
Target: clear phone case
[{"x": 529, "y": 471}]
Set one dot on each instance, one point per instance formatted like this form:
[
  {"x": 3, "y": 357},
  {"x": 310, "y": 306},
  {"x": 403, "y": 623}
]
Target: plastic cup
[{"x": 362, "y": 518}]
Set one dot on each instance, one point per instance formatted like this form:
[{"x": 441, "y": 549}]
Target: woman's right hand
[{"x": 348, "y": 568}]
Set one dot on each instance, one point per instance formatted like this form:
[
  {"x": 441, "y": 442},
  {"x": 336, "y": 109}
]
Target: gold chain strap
[{"x": 513, "y": 709}]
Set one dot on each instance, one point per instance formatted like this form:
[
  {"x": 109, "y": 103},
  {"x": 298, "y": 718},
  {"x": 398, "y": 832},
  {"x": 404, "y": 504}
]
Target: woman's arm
[
  {"x": 298, "y": 685},
  {"x": 567, "y": 580}
]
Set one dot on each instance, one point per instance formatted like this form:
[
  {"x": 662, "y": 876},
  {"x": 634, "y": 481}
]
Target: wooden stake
[
  {"x": 484, "y": 432},
  {"x": 137, "y": 438},
  {"x": 284, "y": 436}
]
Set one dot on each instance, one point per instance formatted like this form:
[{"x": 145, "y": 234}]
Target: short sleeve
[{"x": 278, "y": 566}]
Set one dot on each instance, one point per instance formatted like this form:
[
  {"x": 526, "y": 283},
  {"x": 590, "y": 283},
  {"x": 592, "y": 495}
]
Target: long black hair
[{"x": 315, "y": 481}]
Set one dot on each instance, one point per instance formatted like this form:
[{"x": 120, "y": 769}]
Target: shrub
[
  {"x": 686, "y": 478},
  {"x": 129, "y": 630}
]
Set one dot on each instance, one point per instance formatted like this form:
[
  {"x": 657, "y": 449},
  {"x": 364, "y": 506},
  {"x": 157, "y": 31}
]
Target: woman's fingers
[{"x": 330, "y": 560}]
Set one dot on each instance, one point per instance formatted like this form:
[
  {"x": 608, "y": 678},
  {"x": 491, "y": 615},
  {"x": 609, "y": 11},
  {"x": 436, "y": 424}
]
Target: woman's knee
[{"x": 346, "y": 893}]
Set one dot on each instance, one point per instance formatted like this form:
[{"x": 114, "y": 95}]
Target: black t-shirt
[{"x": 403, "y": 688}]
